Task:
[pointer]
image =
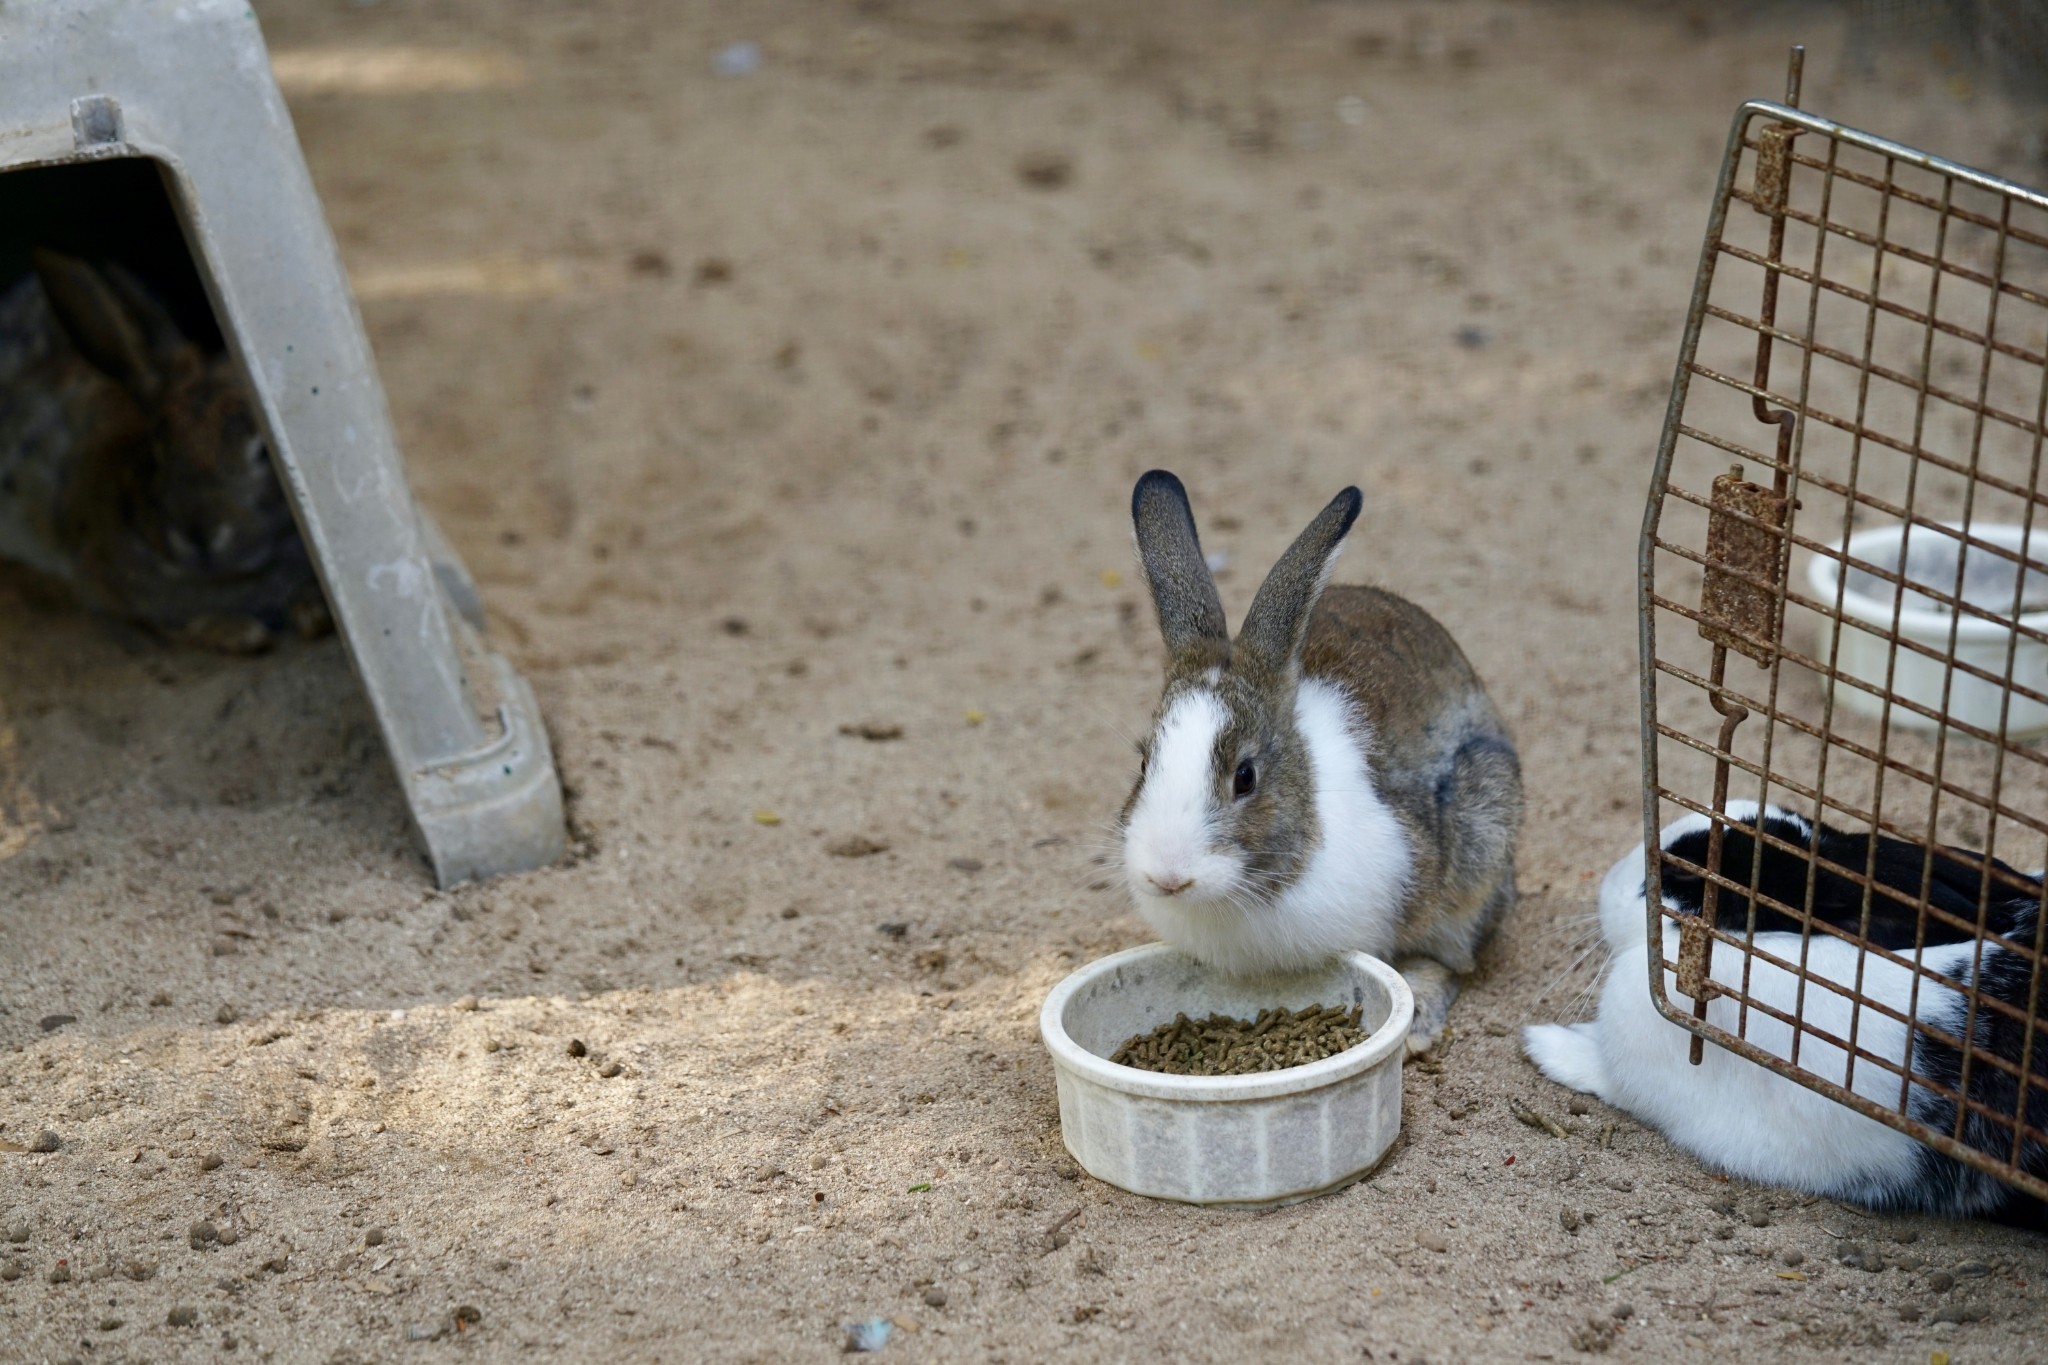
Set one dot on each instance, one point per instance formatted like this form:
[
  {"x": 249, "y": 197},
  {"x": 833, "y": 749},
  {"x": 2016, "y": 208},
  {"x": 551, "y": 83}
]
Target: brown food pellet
[{"x": 1222, "y": 1046}]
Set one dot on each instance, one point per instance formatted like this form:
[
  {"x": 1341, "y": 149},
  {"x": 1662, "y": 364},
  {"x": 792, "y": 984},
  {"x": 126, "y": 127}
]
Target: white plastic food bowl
[
  {"x": 1930, "y": 561},
  {"x": 1268, "y": 1138}
]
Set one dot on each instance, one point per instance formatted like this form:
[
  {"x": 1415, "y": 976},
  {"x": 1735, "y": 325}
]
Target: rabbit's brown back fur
[
  {"x": 60, "y": 422},
  {"x": 134, "y": 472},
  {"x": 1441, "y": 758}
]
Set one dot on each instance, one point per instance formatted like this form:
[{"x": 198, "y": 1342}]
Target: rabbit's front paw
[
  {"x": 1568, "y": 1054},
  {"x": 243, "y": 635},
  {"x": 310, "y": 617}
]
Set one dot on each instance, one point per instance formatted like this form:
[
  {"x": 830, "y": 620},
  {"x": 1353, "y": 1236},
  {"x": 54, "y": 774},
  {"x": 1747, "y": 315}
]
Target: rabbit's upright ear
[
  {"x": 112, "y": 321},
  {"x": 1183, "y": 590},
  {"x": 1278, "y": 622}
]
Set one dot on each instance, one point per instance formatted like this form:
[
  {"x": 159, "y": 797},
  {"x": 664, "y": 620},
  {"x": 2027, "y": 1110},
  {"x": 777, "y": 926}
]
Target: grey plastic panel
[{"x": 187, "y": 83}]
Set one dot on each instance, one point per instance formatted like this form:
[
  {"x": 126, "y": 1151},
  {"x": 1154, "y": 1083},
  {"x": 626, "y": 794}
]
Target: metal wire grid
[{"x": 1867, "y": 346}]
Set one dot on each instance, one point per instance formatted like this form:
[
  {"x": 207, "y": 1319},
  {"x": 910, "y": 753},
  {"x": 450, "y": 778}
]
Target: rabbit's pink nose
[{"x": 1171, "y": 887}]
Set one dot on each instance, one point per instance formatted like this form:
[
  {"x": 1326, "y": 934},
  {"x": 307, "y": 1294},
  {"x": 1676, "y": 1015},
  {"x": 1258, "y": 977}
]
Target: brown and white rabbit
[
  {"x": 132, "y": 467},
  {"x": 1334, "y": 778}
]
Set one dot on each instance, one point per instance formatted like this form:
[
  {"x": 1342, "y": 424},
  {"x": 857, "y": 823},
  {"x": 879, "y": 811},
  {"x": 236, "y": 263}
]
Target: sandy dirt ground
[{"x": 771, "y": 404}]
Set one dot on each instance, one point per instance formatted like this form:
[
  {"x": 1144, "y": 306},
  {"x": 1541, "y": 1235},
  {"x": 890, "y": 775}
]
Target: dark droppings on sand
[{"x": 1222, "y": 1046}]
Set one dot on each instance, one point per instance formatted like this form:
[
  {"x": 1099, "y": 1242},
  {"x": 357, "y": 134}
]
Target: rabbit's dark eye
[{"x": 1246, "y": 781}]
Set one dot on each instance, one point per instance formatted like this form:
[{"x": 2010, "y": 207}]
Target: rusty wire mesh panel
[{"x": 1864, "y": 375}]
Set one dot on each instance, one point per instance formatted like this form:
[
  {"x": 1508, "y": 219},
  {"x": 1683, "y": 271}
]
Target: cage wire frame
[{"x": 1895, "y": 306}]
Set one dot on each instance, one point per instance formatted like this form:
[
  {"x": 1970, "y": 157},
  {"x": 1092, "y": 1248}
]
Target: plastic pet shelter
[{"x": 169, "y": 110}]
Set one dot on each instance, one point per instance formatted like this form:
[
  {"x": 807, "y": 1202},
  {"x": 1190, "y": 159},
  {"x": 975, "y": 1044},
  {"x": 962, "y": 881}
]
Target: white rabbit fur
[
  {"x": 1736, "y": 1115},
  {"x": 1333, "y": 778},
  {"x": 1350, "y": 894}
]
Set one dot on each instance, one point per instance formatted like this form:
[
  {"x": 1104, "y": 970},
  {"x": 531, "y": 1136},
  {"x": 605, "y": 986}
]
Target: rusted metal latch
[
  {"x": 1695, "y": 957},
  {"x": 1774, "y": 145},
  {"x": 1741, "y": 606},
  {"x": 1773, "y": 167}
]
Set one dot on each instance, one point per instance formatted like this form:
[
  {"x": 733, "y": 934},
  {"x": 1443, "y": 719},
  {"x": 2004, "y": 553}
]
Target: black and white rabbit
[
  {"x": 1335, "y": 778},
  {"x": 132, "y": 467},
  {"x": 1743, "y": 1119}
]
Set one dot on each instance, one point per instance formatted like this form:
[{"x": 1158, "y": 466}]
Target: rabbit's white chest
[{"x": 1350, "y": 894}]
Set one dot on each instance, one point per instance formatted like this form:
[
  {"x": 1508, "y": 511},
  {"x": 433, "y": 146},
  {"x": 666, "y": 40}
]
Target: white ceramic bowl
[
  {"x": 1930, "y": 560},
  {"x": 1268, "y": 1138}
]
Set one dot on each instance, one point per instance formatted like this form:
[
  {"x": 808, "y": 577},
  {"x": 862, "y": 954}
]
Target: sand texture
[{"x": 772, "y": 407}]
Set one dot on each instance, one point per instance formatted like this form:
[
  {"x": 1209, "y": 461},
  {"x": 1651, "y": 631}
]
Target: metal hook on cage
[
  {"x": 1773, "y": 188},
  {"x": 1746, "y": 550},
  {"x": 1695, "y": 939}
]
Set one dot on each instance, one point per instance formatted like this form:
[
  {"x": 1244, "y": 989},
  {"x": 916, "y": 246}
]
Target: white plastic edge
[{"x": 1925, "y": 626}]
